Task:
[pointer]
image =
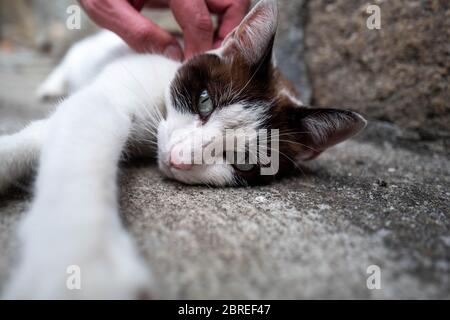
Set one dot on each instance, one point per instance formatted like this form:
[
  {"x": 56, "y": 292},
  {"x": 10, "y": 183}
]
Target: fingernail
[{"x": 172, "y": 51}]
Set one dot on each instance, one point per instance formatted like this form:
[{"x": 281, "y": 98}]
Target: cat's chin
[
  {"x": 177, "y": 175},
  {"x": 165, "y": 170},
  {"x": 211, "y": 175}
]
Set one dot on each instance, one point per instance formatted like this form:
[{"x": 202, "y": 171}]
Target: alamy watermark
[
  {"x": 73, "y": 21},
  {"x": 374, "y": 20},
  {"x": 73, "y": 281},
  {"x": 374, "y": 280}
]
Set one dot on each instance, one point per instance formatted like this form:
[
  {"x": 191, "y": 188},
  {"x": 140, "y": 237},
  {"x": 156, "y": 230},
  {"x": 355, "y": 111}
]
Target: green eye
[
  {"x": 244, "y": 167},
  {"x": 205, "y": 106}
]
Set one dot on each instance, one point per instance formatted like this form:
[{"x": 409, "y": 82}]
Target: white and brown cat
[{"x": 137, "y": 102}]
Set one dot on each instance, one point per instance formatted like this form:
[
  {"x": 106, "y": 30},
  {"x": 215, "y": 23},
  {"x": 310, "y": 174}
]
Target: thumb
[{"x": 140, "y": 33}]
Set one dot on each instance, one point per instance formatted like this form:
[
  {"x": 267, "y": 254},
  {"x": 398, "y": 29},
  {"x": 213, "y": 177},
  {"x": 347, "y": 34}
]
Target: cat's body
[
  {"x": 136, "y": 104},
  {"x": 74, "y": 215}
]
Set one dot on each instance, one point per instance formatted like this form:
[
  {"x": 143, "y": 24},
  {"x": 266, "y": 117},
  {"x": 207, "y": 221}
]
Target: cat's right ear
[{"x": 253, "y": 38}]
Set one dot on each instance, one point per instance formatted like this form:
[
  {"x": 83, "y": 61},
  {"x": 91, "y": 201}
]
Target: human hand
[{"x": 193, "y": 16}]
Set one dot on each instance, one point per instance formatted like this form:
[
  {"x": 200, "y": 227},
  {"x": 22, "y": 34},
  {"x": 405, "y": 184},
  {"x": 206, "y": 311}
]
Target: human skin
[{"x": 193, "y": 16}]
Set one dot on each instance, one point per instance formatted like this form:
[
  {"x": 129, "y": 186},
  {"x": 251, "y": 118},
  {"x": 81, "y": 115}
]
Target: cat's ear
[
  {"x": 253, "y": 38},
  {"x": 318, "y": 129}
]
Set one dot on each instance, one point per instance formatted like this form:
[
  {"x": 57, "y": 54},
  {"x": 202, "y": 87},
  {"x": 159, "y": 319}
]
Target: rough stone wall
[
  {"x": 399, "y": 73},
  {"x": 289, "y": 46}
]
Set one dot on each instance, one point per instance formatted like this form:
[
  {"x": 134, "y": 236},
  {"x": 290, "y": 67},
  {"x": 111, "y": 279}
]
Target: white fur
[
  {"x": 82, "y": 63},
  {"x": 73, "y": 219},
  {"x": 76, "y": 223}
]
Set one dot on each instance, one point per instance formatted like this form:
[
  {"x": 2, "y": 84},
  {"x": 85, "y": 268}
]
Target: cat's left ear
[
  {"x": 318, "y": 129},
  {"x": 253, "y": 38}
]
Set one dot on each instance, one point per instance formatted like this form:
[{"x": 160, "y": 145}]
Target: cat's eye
[
  {"x": 205, "y": 105},
  {"x": 241, "y": 162},
  {"x": 244, "y": 167}
]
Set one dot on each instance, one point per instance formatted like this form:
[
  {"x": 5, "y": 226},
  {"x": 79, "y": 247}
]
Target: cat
[{"x": 136, "y": 105}]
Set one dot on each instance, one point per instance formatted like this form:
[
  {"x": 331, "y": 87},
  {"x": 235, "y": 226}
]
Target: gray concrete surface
[{"x": 381, "y": 199}]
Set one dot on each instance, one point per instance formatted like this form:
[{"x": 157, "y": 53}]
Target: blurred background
[
  {"x": 386, "y": 194},
  {"x": 398, "y": 74},
  {"x": 33, "y": 38}
]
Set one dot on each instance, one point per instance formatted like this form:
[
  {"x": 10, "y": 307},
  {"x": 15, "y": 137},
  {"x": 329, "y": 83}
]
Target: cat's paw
[
  {"x": 110, "y": 270},
  {"x": 100, "y": 278},
  {"x": 54, "y": 87}
]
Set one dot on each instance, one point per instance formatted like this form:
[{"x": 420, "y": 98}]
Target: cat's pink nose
[{"x": 177, "y": 162}]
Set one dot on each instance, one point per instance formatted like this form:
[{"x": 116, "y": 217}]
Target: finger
[
  {"x": 138, "y": 32},
  {"x": 195, "y": 21},
  {"x": 231, "y": 13}
]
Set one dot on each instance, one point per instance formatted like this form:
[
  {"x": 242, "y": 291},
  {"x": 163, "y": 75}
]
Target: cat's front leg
[{"x": 73, "y": 223}]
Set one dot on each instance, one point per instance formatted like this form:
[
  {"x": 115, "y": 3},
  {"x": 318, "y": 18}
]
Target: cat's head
[{"x": 234, "y": 107}]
